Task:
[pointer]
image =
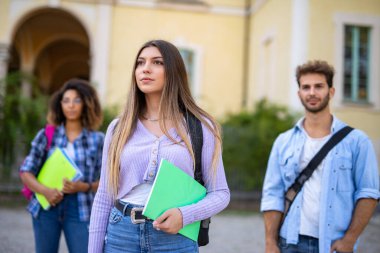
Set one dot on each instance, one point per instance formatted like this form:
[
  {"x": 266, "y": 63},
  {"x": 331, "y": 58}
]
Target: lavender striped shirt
[{"x": 139, "y": 163}]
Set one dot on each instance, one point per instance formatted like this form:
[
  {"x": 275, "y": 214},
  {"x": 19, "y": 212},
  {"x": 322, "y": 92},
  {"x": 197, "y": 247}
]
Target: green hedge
[
  {"x": 247, "y": 141},
  {"x": 20, "y": 118}
]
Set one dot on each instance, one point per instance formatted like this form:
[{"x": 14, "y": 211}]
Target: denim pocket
[{"x": 115, "y": 216}]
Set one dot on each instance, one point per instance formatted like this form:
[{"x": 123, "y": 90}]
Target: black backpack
[{"x": 196, "y": 134}]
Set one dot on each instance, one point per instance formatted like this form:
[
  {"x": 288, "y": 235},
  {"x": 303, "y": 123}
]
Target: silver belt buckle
[{"x": 133, "y": 215}]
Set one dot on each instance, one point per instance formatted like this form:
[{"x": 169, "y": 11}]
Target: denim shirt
[
  {"x": 88, "y": 148},
  {"x": 349, "y": 174}
]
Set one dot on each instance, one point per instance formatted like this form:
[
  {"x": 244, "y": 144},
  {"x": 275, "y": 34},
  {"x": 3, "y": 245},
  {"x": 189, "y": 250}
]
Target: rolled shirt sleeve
[
  {"x": 273, "y": 187},
  {"x": 366, "y": 171}
]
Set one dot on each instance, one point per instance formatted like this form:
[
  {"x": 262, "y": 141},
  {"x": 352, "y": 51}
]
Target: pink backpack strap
[{"x": 49, "y": 132}]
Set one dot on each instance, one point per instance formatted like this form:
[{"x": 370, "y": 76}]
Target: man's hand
[
  {"x": 343, "y": 246},
  {"x": 362, "y": 214},
  {"x": 272, "y": 221},
  {"x": 170, "y": 221},
  {"x": 53, "y": 196},
  {"x": 271, "y": 248}
]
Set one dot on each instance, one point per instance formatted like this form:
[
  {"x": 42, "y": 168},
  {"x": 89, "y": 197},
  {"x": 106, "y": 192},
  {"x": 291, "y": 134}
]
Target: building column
[
  {"x": 4, "y": 56},
  {"x": 26, "y": 85},
  {"x": 299, "y": 46},
  {"x": 100, "y": 48}
]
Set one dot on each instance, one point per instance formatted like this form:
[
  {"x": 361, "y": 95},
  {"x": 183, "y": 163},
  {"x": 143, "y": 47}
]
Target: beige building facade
[
  {"x": 236, "y": 51},
  {"x": 286, "y": 33}
]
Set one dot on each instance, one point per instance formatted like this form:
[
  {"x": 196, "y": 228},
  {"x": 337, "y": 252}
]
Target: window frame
[
  {"x": 195, "y": 86},
  {"x": 354, "y": 96},
  {"x": 373, "y": 89}
]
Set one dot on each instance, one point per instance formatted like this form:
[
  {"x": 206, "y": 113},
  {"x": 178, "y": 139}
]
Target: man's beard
[{"x": 321, "y": 107}]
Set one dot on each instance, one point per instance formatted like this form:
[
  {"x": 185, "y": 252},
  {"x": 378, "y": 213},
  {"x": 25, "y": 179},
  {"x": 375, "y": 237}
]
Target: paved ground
[{"x": 231, "y": 232}]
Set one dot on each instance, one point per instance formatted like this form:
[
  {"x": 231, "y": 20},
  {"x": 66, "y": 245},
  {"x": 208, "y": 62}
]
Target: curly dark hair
[
  {"x": 316, "y": 66},
  {"x": 92, "y": 115}
]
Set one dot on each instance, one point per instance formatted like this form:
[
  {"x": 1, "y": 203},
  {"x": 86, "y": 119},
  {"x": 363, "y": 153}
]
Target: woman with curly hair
[{"x": 75, "y": 112}]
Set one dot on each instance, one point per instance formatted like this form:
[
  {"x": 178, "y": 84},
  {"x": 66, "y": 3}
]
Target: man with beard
[{"x": 335, "y": 204}]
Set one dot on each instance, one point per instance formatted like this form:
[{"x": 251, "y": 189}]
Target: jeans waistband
[
  {"x": 307, "y": 237},
  {"x": 134, "y": 212}
]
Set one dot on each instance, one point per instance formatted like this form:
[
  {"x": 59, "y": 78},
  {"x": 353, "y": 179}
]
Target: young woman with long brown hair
[{"x": 151, "y": 127}]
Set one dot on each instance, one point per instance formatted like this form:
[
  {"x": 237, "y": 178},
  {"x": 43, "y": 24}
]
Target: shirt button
[
  {"x": 151, "y": 174},
  {"x": 332, "y": 188},
  {"x": 154, "y": 162},
  {"x": 154, "y": 151}
]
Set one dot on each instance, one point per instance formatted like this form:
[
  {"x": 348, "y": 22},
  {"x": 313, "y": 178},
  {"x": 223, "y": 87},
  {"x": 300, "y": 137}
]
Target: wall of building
[
  {"x": 269, "y": 68},
  {"x": 216, "y": 39}
]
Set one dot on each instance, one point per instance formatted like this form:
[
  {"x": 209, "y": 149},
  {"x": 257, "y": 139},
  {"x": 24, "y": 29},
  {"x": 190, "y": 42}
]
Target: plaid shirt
[{"x": 88, "y": 148}]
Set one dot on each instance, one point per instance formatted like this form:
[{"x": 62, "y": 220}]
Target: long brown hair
[
  {"x": 176, "y": 100},
  {"x": 91, "y": 117}
]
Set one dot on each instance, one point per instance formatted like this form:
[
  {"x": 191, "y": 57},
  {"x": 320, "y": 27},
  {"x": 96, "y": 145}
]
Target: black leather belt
[{"x": 134, "y": 212}]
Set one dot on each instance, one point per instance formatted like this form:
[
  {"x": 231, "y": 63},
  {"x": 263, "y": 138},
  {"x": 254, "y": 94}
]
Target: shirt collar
[
  {"x": 62, "y": 132},
  {"x": 335, "y": 126}
]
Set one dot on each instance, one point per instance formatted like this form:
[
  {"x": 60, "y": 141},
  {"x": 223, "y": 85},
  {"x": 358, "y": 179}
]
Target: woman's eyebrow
[{"x": 155, "y": 57}]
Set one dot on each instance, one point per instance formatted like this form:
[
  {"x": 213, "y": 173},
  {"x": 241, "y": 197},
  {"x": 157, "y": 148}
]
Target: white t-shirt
[
  {"x": 69, "y": 149},
  {"x": 138, "y": 195},
  {"x": 312, "y": 188}
]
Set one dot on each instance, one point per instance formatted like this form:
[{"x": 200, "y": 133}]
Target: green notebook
[
  {"x": 174, "y": 188},
  {"x": 56, "y": 167}
]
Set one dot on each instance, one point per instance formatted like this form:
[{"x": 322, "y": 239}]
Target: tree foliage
[
  {"x": 20, "y": 118},
  {"x": 247, "y": 142},
  {"x": 109, "y": 113}
]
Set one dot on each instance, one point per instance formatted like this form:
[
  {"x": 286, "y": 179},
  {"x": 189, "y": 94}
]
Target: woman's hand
[
  {"x": 53, "y": 196},
  {"x": 170, "y": 221},
  {"x": 74, "y": 187}
]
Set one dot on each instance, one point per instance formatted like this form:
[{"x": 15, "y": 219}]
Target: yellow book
[{"x": 56, "y": 167}]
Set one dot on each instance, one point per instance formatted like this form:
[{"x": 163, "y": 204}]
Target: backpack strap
[
  {"x": 194, "y": 126},
  {"x": 196, "y": 135},
  {"x": 49, "y": 133}
]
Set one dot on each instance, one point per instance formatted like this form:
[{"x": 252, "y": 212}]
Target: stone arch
[{"x": 53, "y": 45}]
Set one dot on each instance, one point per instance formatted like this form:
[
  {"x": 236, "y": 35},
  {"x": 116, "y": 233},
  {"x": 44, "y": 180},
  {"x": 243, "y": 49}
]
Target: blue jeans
[
  {"x": 306, "y": 244},
  {"x": 64, "y": 216},
  {"x": 124, "y": 236}
]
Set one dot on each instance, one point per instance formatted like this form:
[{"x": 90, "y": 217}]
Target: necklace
[{"x": 152, "y": 120}]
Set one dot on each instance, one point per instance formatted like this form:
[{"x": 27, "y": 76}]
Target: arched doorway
[{"x": 52, "y": 45}]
